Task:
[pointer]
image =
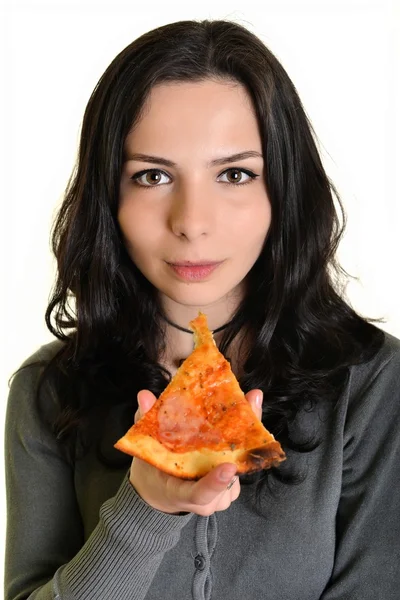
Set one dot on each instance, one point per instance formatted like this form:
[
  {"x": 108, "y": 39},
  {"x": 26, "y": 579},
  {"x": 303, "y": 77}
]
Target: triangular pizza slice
[{"x": 202, "y": 419}]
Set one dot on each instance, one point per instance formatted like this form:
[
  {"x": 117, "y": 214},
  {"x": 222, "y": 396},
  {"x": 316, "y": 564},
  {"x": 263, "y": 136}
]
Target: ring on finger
[{"x": 231, "y": 483}]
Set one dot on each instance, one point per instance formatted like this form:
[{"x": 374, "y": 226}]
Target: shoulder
[
  {"x": 385, "y": 364},
  {"x": 373, "y": 393},
  {"x": 390, "y": 348},
  {"x": 24, "y": 384},
  {"x": 43, "y": 354},
  {"x": 33, "y": 365}
]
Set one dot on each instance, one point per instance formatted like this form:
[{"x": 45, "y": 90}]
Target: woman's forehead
[{"x": 210, "y": 117}]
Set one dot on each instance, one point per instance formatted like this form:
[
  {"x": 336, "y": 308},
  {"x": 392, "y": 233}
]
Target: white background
[{"x": 343, "y": 57}]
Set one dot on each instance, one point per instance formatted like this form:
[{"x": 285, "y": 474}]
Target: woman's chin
[{"x": 201, "y": 296}]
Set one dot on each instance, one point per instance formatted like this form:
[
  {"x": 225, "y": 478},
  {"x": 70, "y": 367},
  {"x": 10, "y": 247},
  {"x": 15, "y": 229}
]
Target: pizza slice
[{"x": 202, "y": 419}]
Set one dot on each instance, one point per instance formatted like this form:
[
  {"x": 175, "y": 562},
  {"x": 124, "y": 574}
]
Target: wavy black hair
[{"x": 305, "y": 336}]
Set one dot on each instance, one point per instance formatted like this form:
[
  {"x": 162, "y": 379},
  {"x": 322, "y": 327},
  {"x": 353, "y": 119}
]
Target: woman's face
[{"x": 194, "y": 217}]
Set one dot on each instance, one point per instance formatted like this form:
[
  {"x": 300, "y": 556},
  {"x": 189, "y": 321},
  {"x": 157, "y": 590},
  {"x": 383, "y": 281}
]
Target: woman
[{"x": 199, "y": 186}]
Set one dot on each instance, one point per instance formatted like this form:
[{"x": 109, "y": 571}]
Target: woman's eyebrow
[{"x": 217, "y": 161}]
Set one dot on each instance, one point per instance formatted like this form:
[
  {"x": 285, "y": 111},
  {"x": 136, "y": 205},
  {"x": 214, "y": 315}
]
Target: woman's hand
[{"x": 213, "y": 492}]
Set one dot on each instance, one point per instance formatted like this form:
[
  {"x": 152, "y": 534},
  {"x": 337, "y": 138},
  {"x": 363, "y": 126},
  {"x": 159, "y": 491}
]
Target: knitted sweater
[{"x": 79, "y": 531}]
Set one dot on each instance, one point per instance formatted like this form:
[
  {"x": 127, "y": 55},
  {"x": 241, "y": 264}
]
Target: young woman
[{"x": 199, "y": 187}]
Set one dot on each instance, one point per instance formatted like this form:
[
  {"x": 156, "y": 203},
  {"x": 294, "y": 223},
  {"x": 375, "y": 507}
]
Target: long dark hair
[{"x": 304, "y": 334}]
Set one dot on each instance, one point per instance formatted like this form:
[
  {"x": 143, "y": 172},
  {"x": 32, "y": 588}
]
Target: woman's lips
[{"x": 194, "y": 271}]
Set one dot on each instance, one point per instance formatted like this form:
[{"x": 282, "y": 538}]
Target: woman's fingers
[
  {"x": 206, "y": 489},
  {"x": 214, "y": 492},
  {"x": 146, "y": 400},
  {"x": 169, "y": 494},
  {"x": 255, "y": 399}
]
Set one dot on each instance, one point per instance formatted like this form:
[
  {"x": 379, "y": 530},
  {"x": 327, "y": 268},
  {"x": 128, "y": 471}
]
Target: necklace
[{"x": 191, "y": 332}]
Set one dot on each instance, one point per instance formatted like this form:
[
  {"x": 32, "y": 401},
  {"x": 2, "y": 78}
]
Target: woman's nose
[{"x": 191, "y": 214}]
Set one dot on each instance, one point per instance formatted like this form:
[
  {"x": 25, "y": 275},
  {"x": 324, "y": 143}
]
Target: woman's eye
[
  {"x": 238, "y": 176},
  {"x": 149, "y": 178},
  {"x": 154, "y": 177}
]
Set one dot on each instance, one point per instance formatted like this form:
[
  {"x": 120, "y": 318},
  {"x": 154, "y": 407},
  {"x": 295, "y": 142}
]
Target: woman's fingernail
[
  {"x": 226, "y": 474},
  {"x": 259, "y": 399}
]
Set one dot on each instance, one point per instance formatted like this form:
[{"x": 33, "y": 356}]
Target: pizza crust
[{"x": 197, "y": 463}]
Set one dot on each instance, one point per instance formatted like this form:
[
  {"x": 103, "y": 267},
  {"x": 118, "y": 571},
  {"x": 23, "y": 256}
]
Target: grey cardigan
[{"x": 80, "y": 532}]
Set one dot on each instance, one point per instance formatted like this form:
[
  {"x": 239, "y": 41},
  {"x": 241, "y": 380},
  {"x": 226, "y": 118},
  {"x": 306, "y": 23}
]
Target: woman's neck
[
  {"x": 179, "y": 344},
  {"x": 217, "y": 315}
]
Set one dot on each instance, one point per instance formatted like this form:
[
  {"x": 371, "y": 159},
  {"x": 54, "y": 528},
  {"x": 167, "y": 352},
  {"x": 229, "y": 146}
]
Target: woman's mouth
[{"x": 194, "y": 271}]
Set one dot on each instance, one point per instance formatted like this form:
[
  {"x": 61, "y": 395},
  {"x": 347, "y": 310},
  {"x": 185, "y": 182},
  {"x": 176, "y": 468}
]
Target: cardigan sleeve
[
  {"x": 367, "y": 560},
  {"x": 46, "y": 556}
]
